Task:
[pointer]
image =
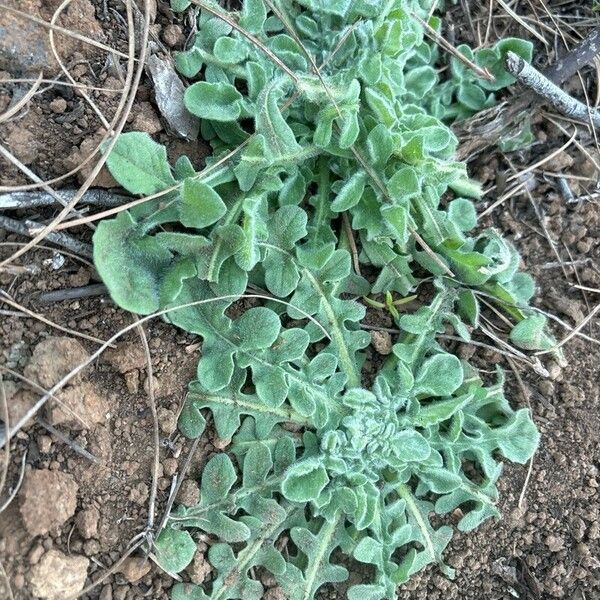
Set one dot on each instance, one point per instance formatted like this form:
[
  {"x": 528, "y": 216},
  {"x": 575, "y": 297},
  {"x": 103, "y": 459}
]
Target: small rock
[
  {"x": 169, "y": 467},
  {"x": 58, "y": 105},
  {"x": 582, "y": 550},
  {"x": 172, "y": 35},
  {"x": 35, "y": 554},
  {"x": 155, "y": 386},
  {"x": 132, "y": 381},
  {"x": 554, "y": 371},
  {"x": 221, "y": 444},
  {"x": 146, "y": 119},
  {"x": 134, "y": 568},
  {"x": 554, "y": 543},
  {"x": 44, "y": 443},
  {"x": 86, "y": 522},
  {"x": 53, "y": 359},
  {"x": 106, "y": 593},
  {"x": 91, "y": 547},
  {"x": 189, "y": 493},
  {"x": 48, "y": 499},
  {"x": 274, "y": 593},
  {"x": 199, "y": 568},
  {"x": 58, "y": 576},
  {"x": 126, "y": 357},
  {"x": 84, "y": 400},
  {"x": 139, "y": 493},
  {"x": 382, "y": 342},
  {"x": 167, "y": 421}
]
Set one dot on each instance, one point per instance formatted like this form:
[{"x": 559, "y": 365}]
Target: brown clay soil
[{"x": 76, "y": 513}]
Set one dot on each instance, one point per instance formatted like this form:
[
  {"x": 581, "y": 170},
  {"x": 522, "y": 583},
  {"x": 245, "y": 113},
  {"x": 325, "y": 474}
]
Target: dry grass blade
[
  {"x": 131, "y": 87},
  {"x": 523, "y": 23},
  {"x": 112, "y": 569},
  {"x": 11, "y": 112},
  {"x": 64, "y": 69},
  {"x": 446, "y": 45},
  {"x": 17, "y": 487},
  {"x": 51, "y": 393},
  {"x": 4, "y": 297},
  {"x": 67, "y": 441},
  {"x": 41, "y": 390},
  {"x": 59, "y": 29},
  {"x": 27, "y": 171},
  {"x": 573, "y": 333},
  {"x": 6, "y": 419},
  {"x": 156, "y": 438}
]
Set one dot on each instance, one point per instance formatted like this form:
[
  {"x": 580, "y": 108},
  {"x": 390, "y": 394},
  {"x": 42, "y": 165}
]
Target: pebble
[
  {"x": 172, "y": 35},
  {"x": 58, "y": 575},
  {"x": 189, "y": 493},
  {"x": 48, "y": 499},
  {"x": 58, "y": 105},
  {"x": 86, "y": 522},
  {"x": 382, "y": 342},
  {"x": 169, "y": 467},
  {"x": 555, "y": 543},
  {"x": 167, "y": 420},
  {"x": 134, "y": 568}
]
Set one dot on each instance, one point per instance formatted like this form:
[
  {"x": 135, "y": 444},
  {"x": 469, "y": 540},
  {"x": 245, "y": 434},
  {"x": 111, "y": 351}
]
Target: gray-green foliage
[{"x": 315, "y": 457}]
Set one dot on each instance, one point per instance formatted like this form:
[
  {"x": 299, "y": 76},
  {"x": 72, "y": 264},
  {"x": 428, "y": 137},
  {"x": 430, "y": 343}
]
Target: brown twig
[{"x": 67, "y": 440}]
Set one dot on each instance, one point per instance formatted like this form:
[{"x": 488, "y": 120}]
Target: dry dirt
[{"x": 75, "y": 515}]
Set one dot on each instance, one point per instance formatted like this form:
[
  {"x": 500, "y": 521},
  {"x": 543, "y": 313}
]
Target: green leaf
[
  {"x": 174, "y": 550},
  {"x": 214, "y": 101},
  {"x": 253, "y": 16},
  {"x": 350, "y": 193},
  {"x": 439, "y": 375},
  {"x": 130, "y": 264},
  {"x": 463, "y": 214},
  {"x": 139, "y": 164},
  {"x": 519, "y": 438},
  {"x": 201, "y": 206},
  {"x": 304, "y": 481},
  {"x": 530, "y": 333},
  {"x": 404, "y": 184}
]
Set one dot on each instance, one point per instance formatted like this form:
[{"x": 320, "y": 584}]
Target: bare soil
[{"x": 76, "y": 514}]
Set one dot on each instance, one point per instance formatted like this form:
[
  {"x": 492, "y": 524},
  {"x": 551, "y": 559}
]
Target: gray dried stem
[{"x": 567, "y": 105}]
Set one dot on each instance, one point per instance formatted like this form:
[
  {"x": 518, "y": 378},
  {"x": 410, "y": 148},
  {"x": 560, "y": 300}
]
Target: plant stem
[{"x": 565, "y": 104}]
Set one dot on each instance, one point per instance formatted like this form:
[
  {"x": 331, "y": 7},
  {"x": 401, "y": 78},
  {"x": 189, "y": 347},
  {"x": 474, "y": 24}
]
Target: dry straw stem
[
  {"x": 51, "y": 392},
  {"x": 115, "y": 120},
  {"x": 156, "y": 438},
  {"x": 561, "y": 101},
  {"x": 4, "y": 297},
  {"x": 131, "y": 88},
  {"x": 446, "y": 45}
]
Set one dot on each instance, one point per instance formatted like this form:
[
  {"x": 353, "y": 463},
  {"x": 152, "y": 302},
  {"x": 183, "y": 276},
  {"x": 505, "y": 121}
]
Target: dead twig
[
  {"x": 35, "y": 199},
  {"x": 485, "y": 128},
  {"x": 560, "y": 100},
  {"x": 31, "y": 228},
  {"x": 156, "y": 438},
  {"x": 4, "y": 297},
  {"x": 17, "y": 487},
  {"x": 446, "y": 45},
  {"x": 87, "y": 291},
  {"x": 67, "y": 440}
]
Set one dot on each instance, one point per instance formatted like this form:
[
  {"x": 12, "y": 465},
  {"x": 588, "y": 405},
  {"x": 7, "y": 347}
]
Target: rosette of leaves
[{"x": 315, "y": 119}]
